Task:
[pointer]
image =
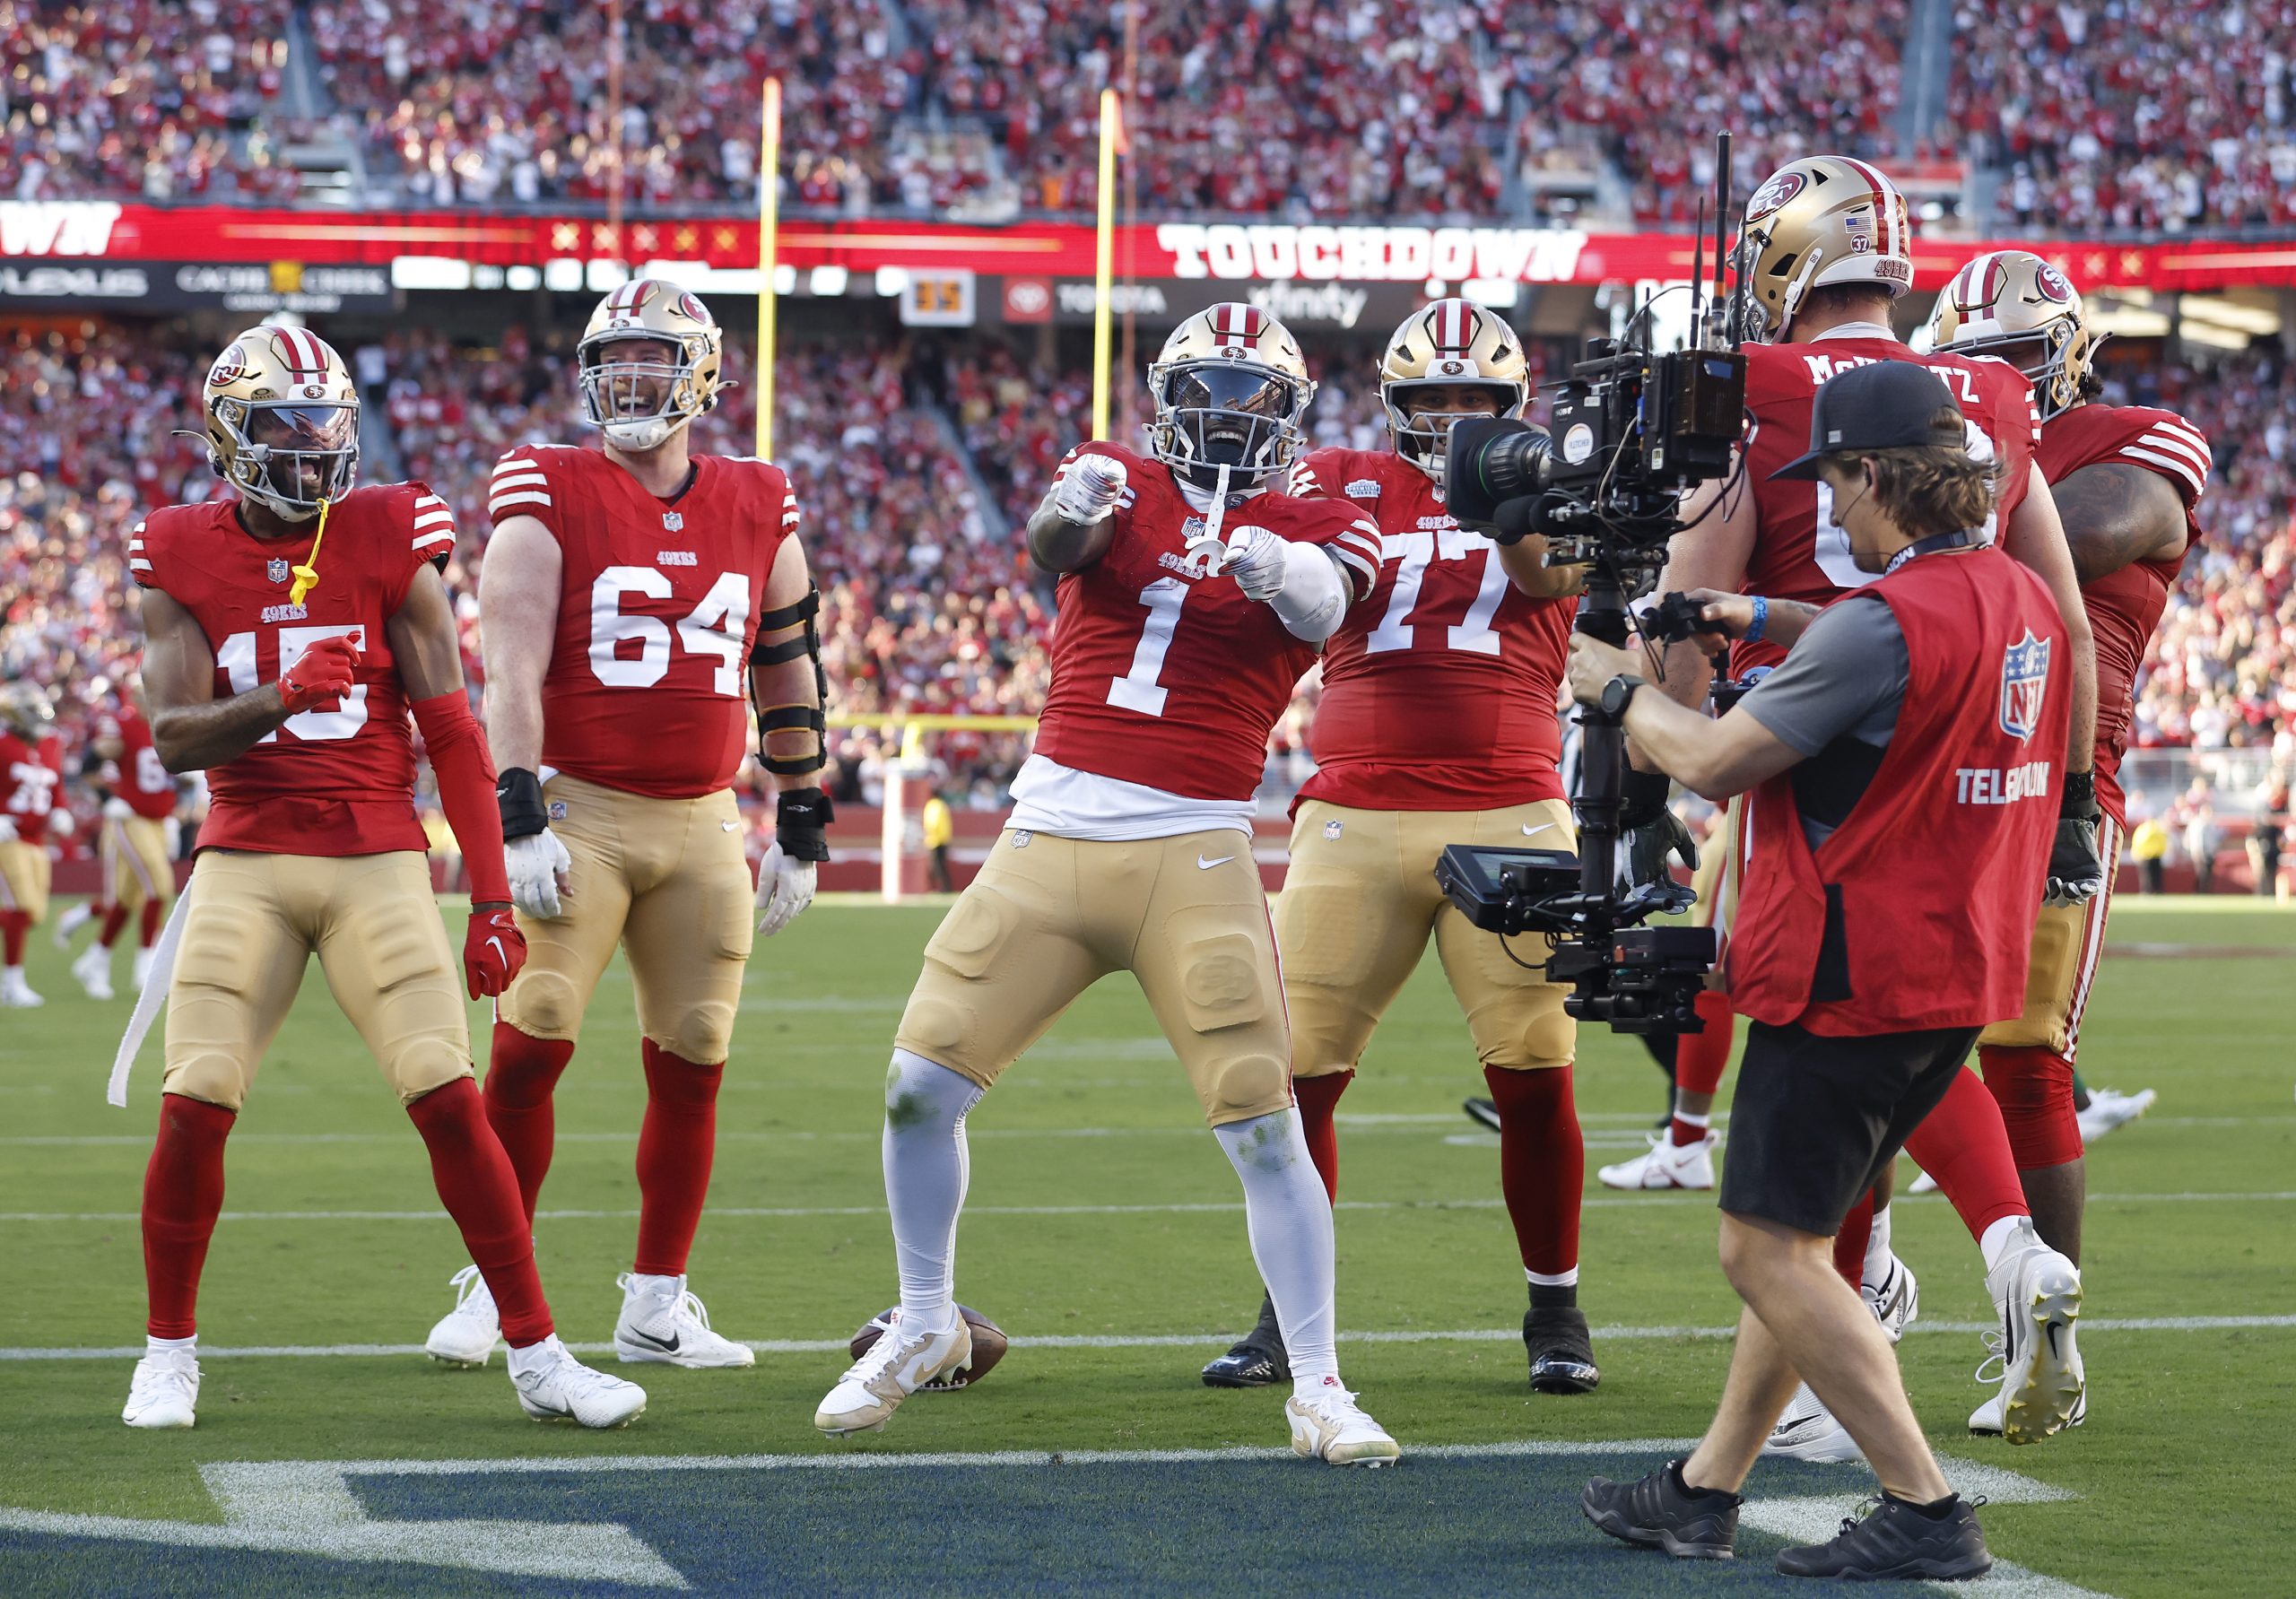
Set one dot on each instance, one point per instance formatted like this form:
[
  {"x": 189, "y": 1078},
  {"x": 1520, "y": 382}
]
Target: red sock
[
  {"x": 481, "y": 1193},
  {"x": 520, "y": 1076},
  {"x": 1964, "y": 1144},
  {"x": 2033, "y": 1086},
  {"x": 675, "y": 1144},
  {"x": 1701, "y": 1058},
  {"x": 115, "y": 918},
  {"x": 1849, "y": 1243},
  {"x": 183, "y": 1192},
  {"x": 1542, "y": 1163},
  {"x": 147, "y": 930},
  {"x": 1319, "y": 1097},
  {"x": 13, "y": 925}
]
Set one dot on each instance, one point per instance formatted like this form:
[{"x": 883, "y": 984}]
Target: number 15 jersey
[{"x": 657, "y": 607}]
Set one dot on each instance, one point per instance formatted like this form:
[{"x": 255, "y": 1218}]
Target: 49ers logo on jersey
[{"x": 2024, "y": 685}]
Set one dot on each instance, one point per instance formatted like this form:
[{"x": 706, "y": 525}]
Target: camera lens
[{"x": 1501, "y": 458}]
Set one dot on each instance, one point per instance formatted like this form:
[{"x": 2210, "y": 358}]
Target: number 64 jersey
[{"x": 657, "y": 607}]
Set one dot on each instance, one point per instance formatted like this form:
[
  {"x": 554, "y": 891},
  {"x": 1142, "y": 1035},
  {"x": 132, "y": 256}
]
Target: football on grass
[{"x": 988, "y": 1344}]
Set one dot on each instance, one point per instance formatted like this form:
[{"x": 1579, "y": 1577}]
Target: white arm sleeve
[{"x": 1313, "y": 596}]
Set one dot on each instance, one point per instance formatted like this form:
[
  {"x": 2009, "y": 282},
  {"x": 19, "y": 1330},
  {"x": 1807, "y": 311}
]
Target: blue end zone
[{"x": 1252, "y": 1528}]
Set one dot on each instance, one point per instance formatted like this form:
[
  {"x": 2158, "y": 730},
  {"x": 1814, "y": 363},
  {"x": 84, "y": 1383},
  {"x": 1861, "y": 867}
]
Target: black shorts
[{"x": 1817, "y": 1120}]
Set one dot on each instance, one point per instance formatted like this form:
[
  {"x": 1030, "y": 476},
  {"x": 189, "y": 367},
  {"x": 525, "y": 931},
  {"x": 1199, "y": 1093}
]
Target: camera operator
[
  {"x": 1827, "y": 252},
  {"x": 1901, "y": 766}
]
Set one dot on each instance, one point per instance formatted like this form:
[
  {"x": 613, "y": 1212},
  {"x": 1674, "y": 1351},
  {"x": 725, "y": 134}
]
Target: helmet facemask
[
  {"x": 289, "y": 456},
  {"x": 1216, "y": 414},
  {"x": 1423, "y": 438},
  {"x": 639, "y": 403}
]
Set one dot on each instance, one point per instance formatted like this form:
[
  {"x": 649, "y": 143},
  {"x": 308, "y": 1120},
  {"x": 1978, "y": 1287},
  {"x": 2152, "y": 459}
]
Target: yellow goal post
[{"x": 913, "y": 762}]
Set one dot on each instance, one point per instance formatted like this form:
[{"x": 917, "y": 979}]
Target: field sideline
[{"x": 1105, "y": 1233}]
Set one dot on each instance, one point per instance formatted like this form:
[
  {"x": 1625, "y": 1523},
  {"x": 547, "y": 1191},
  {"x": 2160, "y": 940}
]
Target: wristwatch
[{"x": 1617, "y": 693}]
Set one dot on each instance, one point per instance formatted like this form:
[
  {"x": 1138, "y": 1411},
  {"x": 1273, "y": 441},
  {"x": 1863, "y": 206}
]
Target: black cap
[{"x": 1886, "y": 406}]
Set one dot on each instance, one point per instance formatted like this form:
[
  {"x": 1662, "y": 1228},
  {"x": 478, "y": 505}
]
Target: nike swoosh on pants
[{"x": 1203, "y": 865}]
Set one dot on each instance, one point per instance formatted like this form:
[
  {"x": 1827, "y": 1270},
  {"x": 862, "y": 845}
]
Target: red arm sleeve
[{"x": 466, "y": 771}]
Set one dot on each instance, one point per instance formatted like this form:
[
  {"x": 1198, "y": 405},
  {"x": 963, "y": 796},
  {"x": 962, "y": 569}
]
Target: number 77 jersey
[
  {"x": 657, "y": 607},
  {"x": 1439, "y": 693}
]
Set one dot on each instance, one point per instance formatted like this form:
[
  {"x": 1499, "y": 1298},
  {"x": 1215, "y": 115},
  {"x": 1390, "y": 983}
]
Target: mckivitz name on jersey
[{"x": 1992, "y": 785}]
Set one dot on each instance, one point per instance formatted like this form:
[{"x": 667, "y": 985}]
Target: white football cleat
[
  {"x": 73, "y": 918},
  {"x": 467, "y": 1335},
  {"x": 662, "y": 1324},
  {"x": 1806, "y": 1431},
  {"x": 164, "y": 1392},
  {"x": 1985, "y": 1422},
  {"x": 1329, "y": 1426},
  {"x": 1668, "y": 1165},
  {"x": 553, "y": 1386},
  {"x": 93, "y": 968},
  {"x": 895, "y": 1367},
  {"x": 2108, "y": 1110},
  {"x": 1923, "y": 1184},
  {"x": 15, "y": 994},
  {"x": 1895, "y": 1300},
  {"x": 2037, "y": 1292}
]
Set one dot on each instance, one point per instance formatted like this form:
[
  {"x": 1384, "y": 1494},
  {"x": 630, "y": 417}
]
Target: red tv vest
[{"x": 1924, "y": 898}]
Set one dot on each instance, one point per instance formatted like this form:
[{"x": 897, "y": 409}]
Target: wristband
[
  {"x": 2079, "y": 797},
  {"x": 801, "y": 818},
  {"x": 519, "y": 792},
  {"x": 1761, "y": 621}
]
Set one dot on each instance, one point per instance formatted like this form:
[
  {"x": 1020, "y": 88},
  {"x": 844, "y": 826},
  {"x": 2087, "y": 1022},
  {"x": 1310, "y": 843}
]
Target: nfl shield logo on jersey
[
  {"x": 275, "y": 569},
  {"x": 673, "y": 521},
  {"x": 2024, "y": 682}
]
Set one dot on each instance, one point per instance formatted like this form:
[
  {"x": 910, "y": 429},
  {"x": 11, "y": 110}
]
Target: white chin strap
[{"x": 643, "y": 433}]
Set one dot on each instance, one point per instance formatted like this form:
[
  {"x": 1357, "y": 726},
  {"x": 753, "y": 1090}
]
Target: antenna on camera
[{"x": 1722, "y": 313}]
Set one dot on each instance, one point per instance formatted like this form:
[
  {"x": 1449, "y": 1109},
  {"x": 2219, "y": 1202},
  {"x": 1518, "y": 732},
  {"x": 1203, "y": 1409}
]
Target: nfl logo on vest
[{"x": 2024, "y": 683}]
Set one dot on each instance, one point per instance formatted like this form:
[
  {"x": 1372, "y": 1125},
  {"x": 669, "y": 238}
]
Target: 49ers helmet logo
[
  {"x": 1773, "y": 195},
  {"x": 228, "y": 368},
  {"x": 2053, "y": 285}
]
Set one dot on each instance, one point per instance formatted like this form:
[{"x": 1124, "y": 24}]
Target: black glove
[
  {"x": 1642, "y": 799},
  {"x": 801, "y": 818},
  {"x": 1648, "y": 847},
  {"x": 518, "y": 792},
  {"x": 2076, "y": 866}
]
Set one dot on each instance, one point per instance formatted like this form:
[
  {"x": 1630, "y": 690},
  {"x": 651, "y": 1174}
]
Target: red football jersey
[
  {"x": 1439, "y": 694},
  {"x": 138, "y": 775},
  {"x": 31, "y": 779},
  {"x": 337, "y": 780},
  {"x": 1162, "y": 677},
  {"x": 657, "y": 607},
  {"x": 2124, "y": 607},
  {"x": 1800, "y": 554}
]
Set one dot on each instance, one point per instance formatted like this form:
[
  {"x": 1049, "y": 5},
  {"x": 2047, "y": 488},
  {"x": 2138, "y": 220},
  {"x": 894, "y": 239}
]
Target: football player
[
  {"x": 2126, "y": 478},
  {"x": 1436, "y": 726},
  {"x": 1828, "y": 252},
  {"x": 1194, "y": 593},
  {"x": 134, "y": 848},
  {"x": 628, "y": 594},
  {"x": 32, "y": 772},
  {"x": 289, "y": 630}
]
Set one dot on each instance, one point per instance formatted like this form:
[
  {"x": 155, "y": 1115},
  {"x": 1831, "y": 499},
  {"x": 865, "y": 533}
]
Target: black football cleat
[
  {"x": 1483, "y": 1113},
  {"x": 1562, "y": 1350},
  {"x": 1897, "y": 1541},
  {"x": 1658, "y": 1512},
  {"x": 1258, "y": 1361}
]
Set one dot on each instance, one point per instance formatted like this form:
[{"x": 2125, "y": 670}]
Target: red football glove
[
  {"x": 494, "y": 950},
  {"x": 320, "y": 673}
]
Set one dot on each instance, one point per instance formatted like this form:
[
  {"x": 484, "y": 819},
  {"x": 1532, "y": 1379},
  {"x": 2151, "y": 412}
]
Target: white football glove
[
  {"x": 116, "y": 809},
  {"x": 62, "y": 823},
  {"x": 7, "y": 830},
  {"x": 784, "y": 889},
  {"x": 1090, "y": 489},
  {"x": 1255, "y": 560},
  {"x": 538, "y": 865}
]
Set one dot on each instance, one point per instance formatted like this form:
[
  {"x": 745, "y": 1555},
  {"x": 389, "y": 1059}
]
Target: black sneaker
[
  {"x": 1481, "y": 1112},
  {"x": 1658, "y": 1512},
  {"x": 1561, "y": 1351},
  {"x": 1257, "y": 1362},
  {"x": 1897, "y": 1539}
]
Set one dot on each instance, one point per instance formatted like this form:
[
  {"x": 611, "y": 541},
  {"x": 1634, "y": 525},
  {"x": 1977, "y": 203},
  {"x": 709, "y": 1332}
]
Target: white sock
[
  {"x": 532, "y": 1356},
  {"x": 1877, "y": 1249},
  {"x": 1289, "y": 1217},
  {"x": 1999, "y": 1236},
  {"x": 926, "y": 1169},
  {"x": 14, "y": 974},
  {"x": 158, "y": 1346},
  {"x": 1688, "y": 1120},
  {"x": 660, "y": 1288},
  {"x": 1568, "y": 1278}
]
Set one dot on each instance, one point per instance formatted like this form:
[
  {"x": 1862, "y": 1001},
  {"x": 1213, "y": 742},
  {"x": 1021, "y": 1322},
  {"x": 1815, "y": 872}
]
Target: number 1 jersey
[
  {"x": 1164, "y": 675},
  {"x": 1440, "y": 694},
  {"x": 657, "y": 607}
]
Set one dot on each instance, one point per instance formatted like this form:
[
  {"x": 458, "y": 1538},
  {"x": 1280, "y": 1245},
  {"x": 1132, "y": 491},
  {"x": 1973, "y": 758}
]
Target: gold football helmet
[
  {"x": 2014, "y": 305},
  {"x": 1230, "y": 387},
  {"x": 283, "y": 421},
  {"x": 639, "y": 404},
  {"x": 1450, "y": 343},
  {"x": 26, "y": 710},
  {"x": 1824, "y": 218}
]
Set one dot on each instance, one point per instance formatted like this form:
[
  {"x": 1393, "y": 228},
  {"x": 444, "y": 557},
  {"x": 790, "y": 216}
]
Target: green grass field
[{"x": 1099, "y": 1212}]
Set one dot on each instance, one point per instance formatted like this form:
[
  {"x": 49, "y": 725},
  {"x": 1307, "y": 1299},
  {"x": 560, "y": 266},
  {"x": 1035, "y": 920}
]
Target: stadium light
[{"x": 828, "y": 281}]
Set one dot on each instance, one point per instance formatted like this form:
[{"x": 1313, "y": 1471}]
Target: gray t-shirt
[{"x": 1835, "y": 701}]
